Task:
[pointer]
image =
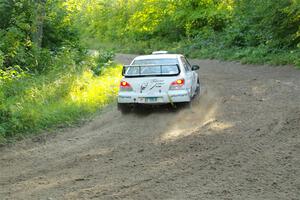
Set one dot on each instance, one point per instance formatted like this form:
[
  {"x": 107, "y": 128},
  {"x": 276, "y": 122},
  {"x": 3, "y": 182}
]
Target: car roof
[{"x": 157, "y": 56}]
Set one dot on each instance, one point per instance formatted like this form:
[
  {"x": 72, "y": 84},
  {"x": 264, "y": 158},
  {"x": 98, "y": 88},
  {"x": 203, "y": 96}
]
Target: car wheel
[
  {"x": 197, "y": 92},
  {"x": 124, "y": 108},
  {"x": 182, "y": 105},
  {"x": 198, "y": 87}
]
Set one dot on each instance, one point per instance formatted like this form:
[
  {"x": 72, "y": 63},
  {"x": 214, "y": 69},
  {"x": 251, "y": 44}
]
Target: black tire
[
  {"x": 124, "y": 108},
  {"x": 197, "y": 91},
  {"x": 182, "y": 105},
  {"x": 198, "y": 88}
]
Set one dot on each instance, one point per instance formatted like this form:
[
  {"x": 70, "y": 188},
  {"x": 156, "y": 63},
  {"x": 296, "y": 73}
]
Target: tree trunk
[{"x": 40, "y": 13}]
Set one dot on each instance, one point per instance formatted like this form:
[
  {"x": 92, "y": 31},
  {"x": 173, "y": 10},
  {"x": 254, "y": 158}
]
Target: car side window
[{"x": 186, "y": 65}]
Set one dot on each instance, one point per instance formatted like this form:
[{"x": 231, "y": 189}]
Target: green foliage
[
  {"x": 273, "y": 23},
  {"x": 103, "y": 59},
  {"x": 46, "y": 76},
  {"x": 59, "y": 30},
  {"x": 20, "y": 21},
  {"x": 38, "y": 102},
  {"x": 245, "y": 29},
  {"x": 1, "y": 60}
]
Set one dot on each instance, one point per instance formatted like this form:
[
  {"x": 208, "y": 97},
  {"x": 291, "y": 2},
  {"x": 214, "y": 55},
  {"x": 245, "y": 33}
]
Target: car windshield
[{"x": 152, "y": 67}]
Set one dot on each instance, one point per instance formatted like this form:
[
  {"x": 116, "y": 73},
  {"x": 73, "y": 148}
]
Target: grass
[{"x": 32, "y": 104}]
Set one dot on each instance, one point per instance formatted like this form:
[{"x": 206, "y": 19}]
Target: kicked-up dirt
[{"x": 239, "y": 139}]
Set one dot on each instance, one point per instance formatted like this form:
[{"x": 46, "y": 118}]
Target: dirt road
[{"x": 239, "y": 140}]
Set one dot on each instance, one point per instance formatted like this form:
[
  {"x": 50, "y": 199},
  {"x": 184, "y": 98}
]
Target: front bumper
[{"x": 175, "y": 96}]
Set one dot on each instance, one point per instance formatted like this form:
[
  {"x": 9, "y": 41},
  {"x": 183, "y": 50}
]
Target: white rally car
[{"x": 160, "y": 78}]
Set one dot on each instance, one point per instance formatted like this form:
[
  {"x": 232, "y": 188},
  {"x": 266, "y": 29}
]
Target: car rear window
[
  {"x": 152, "y": 67},
  {"x": 156, "y": 61}
]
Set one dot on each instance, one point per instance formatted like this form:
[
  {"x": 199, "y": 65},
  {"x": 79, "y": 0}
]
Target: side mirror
[{"x": 195, "y": 67}]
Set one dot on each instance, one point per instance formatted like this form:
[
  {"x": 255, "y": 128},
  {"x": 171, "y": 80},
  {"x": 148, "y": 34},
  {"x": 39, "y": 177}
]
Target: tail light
[
  {"x": 177, "y": 85},
  {"x": 125, "y": 86}
]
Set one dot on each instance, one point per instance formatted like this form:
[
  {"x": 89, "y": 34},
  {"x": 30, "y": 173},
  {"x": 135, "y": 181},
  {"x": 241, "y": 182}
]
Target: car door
[
  {"x": 189, "y": 75},
  {"x": 195, "y": 76}
]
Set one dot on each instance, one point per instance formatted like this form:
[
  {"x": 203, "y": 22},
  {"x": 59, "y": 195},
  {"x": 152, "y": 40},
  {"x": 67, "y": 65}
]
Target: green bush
[
  {"x": 33, "y": 103},
  {"x": 245, "y": 30},
  {"x": 103, "y": 60}
]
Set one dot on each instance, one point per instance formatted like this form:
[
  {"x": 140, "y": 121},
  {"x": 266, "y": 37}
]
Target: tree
[{"x": 40, "y": 14}]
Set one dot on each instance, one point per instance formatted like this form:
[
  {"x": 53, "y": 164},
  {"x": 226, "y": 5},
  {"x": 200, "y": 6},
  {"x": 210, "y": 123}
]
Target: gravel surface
[{"x": 239, "y": 139}]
